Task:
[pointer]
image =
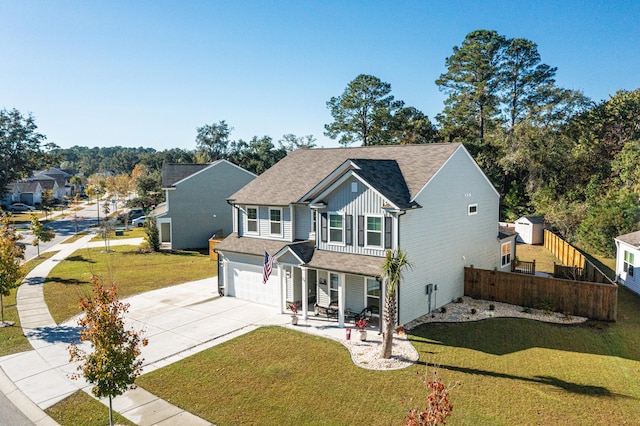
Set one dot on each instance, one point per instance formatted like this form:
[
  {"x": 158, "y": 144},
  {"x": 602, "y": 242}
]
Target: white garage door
[{"x": 245, "y": 282}]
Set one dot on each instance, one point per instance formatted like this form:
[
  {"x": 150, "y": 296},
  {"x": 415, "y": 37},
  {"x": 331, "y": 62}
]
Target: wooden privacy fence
[
  {"x": 592, "y": 300},
  {"x": 572, "y": 257}
]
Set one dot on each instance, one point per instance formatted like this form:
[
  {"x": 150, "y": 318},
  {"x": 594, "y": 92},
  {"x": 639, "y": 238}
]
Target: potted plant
[
  {"x": 294, "y": 309},
  {"x": 361, "y": 325}
]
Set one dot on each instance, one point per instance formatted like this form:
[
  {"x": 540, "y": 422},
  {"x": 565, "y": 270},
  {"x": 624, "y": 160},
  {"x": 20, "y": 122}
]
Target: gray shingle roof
[
  {"x": 175, "y": 172},
  {"x": 386, "y": 177},
  {"x": 632, "y": 238},
  {"x": 319, "y": 259},
  {"x": 300, "y": 171}
]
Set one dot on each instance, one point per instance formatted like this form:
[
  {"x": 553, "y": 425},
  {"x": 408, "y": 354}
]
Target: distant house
[
  {"x": 62, "y": 187},
  {"x": 328, "y": 216},
  {"x": 196, "y": 202},
  {"x": 628, "y": 260},
  {"x": 530, "y": 229},
  {"x": 25, "y": 192}
]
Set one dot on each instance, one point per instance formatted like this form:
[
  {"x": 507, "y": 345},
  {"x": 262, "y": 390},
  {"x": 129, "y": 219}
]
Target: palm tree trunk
[{"x": 389, "y": 324}]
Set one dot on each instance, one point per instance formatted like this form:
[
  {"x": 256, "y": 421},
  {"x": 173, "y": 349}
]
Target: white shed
[
  {"x": 628, "y": 260},
  {"x": 530, "y": 229}
]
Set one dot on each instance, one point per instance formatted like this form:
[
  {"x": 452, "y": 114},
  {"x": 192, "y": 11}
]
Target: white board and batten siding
[
  {"x": 443, "y": 237},
  {"x": 364, "y": 201},
  {"x": 302, "y": 222},
  {"x": 244, "y": 279}
]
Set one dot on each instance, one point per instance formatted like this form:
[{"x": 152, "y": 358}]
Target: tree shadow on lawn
[
  {"x": 79, "y": 258},
  {"x": 545, "y": 380},
  {"x": 65, "y": 281}
]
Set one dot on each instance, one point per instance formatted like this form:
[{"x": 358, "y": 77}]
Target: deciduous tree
[
  {"x": 212, "y": 141},
  {"x": 11, "y": 253},
  {"x": 40, "y": 232},
  {"x": 113, "y": 364}
]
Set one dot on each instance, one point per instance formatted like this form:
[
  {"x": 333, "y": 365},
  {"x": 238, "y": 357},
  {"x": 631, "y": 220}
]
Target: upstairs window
[
  {"x": 275, "y": 221},
  {"x": 374, "y": 231},
  {"x": 336, "y": 227},
  {"x": 252, "y": 220}
]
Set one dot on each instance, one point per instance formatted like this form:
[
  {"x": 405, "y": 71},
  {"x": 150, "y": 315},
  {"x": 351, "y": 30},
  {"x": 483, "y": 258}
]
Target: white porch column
[
  {"x": 341, "y": 296},
  {"x": 305, "y": 294},
  {"x": 225, "y": 275},
  {"x": 283, "y": 290}
]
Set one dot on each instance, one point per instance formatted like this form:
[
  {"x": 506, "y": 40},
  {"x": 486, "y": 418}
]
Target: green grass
[
  {"x": 80, "y": 409},
  {"x": 512, "y": 371},
  {"x": 543, "y": 257},
  {"x": 132, "y": 232},
  {"x": 12, "y": 339},
  {"x": 133, "y": 273},
  {"x": 74, "y": 238}
]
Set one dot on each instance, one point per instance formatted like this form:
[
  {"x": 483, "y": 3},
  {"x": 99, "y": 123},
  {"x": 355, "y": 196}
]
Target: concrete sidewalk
[{"x": 179, "y": 321}]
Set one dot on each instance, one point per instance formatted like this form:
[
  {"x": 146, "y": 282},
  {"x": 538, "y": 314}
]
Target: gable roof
[
  {"x": 633, "y": 239},
  {"x": 28, "y": 187},
  {"x": 386, "y": 177},
  {"x": 299, "y": 172},
  {"x": 173, "y": 173}
]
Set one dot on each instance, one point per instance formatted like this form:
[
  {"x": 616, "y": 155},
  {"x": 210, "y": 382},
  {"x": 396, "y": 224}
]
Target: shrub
[
  {"x": 473, "y": 311},
  {"x": 492, "y": 307}
]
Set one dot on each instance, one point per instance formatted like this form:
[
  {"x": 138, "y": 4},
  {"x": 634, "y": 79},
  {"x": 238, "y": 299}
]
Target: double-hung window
[
  {"x": 275, "y": 221},
  {"x": 627, "y": 264},
  {"x": 374, "y": 231},
  {"x": 505, "y": 258},
  {"x": 373, "y": 293},
  {"x": 336, "y": 227},
  {"x": 314, "y": 221},
  {"x": 252, "y": 220}
]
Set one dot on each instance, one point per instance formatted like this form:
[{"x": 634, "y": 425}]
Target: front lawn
[
  {"x": 133, "y": 272},
  {"x": 12, "y": 339},
  {"x": 80, "y": 409},
  {"x": 512, "y": 371}
]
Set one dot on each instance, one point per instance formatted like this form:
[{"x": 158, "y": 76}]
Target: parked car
[
  {"x": 139, "y": 221},
  {"x": 131, "y": 215},
  {"x": 21, "y": 207}
]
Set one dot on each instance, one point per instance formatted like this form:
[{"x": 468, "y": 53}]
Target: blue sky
[{"x": 147, "y": 73}]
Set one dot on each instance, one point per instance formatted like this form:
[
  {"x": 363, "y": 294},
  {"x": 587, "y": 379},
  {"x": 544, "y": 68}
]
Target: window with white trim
[
  {"x": 472, "y": 209},
  {"x": 333, "y": 287},
  {"x": 505, "y": 258},
  {"x": 336, "y": 228},
  {"x": 275, "y": 221},
  {"x": 252, "y": 220},
  {"x": 628, "y": 262},
  {"x": 373, "y": 292},
  {"x": 374, "y": 231}
]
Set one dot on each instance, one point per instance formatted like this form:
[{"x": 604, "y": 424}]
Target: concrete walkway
[{"x": 179, "y": 321}]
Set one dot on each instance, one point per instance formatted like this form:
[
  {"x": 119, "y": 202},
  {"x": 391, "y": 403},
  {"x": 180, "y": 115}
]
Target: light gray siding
[
  {"x": 354, "y": 293},
  {"x": 441, "y": 238},
  {"x": 362, "y": 202},
  {"x": 198, "y": 205},
  {"x": 323, "y": 289},
  {"x": 302, "y": 222},
  {"x": 264, "y": 224}
]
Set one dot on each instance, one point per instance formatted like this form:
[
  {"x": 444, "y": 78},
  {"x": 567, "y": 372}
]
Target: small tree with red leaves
[
  {"x": 113, "y": 365},
  {"x": 437, "y": 407}
]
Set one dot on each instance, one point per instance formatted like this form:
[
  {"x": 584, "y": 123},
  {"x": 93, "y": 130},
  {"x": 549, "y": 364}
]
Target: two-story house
[
  {"x": 328, "y": 216},
  {"x": 196, "y": 206}
]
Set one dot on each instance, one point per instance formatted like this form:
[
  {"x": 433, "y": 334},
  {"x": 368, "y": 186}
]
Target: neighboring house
[
  {"x": 11, "y": 195},
  {"x": 328, "y": 216},
  {"x": 63, "y": 187},
  {"x": 508, "y": 238},
  {"x": 628, "y": 260},
  {"x": 530, "y": 229},
  {"x": 25, "y": 192},
  {"x": 196, "y": 202}
]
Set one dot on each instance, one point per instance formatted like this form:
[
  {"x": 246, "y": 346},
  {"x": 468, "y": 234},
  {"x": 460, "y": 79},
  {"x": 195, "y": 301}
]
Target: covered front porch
[{"x": 323, "y": 290}]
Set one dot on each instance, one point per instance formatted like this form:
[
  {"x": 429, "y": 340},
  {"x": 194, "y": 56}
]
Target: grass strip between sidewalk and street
[
  {"x": 133, "y": 272},
  {"x": 80, "y": 409}
]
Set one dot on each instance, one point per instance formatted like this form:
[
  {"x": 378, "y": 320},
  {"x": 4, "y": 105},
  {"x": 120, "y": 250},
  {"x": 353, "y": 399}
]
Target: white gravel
[{"x": 367, "y": 354}]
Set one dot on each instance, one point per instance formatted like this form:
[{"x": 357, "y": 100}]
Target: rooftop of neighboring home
[
  {"x": 397, "y": 171},
  {"x": 173, "y": 173},
  {"x": 632, "y": 238}
]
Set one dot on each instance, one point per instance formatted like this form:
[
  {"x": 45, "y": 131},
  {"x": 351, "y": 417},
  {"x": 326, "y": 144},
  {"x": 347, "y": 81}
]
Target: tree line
[{"x": 547, "y": 149}]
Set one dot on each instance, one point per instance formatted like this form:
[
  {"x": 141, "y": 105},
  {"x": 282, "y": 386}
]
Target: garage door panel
[{"x": 245, "y": 282}]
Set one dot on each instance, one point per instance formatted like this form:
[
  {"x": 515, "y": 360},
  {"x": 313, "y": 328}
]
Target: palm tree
[{"x": 395, "y": 262}]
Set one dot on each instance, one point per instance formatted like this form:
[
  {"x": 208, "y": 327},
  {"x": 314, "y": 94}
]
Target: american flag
[{"x": 268, "y": 267}]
